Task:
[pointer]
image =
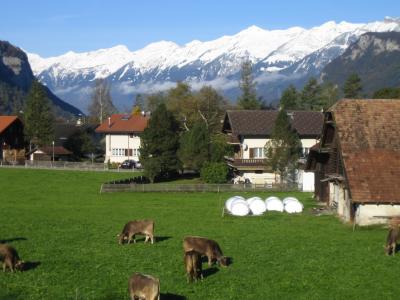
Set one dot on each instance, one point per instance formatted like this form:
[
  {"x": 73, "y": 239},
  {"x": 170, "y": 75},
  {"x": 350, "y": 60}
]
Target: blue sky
[{"x": 54, "y": 27}]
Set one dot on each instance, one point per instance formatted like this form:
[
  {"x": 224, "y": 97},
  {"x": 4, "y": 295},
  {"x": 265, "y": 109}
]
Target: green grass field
[{"x": 60, "y": 220}]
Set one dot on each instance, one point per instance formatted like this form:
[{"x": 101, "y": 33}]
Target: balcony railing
[{"x": 259, "y": 163}]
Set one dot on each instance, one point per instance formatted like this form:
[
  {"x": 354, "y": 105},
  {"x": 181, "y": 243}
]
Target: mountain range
[
  {"x": 16, "y": 79},
  {"x": 280, "y": 58},
  {"x": 375, "y": 57}
]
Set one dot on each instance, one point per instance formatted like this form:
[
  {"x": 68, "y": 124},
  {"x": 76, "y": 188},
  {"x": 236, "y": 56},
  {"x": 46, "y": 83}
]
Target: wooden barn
[
  {"x": 357, "y": 161},
  {"x": 11, "y": 139}
]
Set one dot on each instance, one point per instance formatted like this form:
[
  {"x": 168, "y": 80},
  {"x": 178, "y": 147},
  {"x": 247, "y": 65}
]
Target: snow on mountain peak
[{"x": 255, "y": 43}]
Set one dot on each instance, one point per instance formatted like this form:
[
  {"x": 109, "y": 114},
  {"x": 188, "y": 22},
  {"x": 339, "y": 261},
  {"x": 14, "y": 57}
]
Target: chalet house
[
  {"x": 50, "y": 153},
  {"x": 357, "y": 163},
  {"x": 249, "y": 131},
  {"x": 123, "y": 136},
  {"x": 11, "y": 139}
]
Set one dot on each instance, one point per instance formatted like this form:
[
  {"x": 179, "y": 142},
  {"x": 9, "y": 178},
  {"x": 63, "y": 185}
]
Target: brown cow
[
  {"x": 145, "y": 227},
  {"x": 391, "y": 240},
  {"x": 144, "y": 287},
  {"x": 207, "y": 247},
  {"x": 10, "y": 258},
  {"x": 193, "y": 265}
]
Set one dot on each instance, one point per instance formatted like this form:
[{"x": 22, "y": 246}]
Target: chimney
[{"x": 109, "y": 122}]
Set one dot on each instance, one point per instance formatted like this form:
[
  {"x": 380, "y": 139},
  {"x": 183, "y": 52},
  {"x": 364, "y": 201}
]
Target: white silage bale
[
  {"x": 239, "y": 208},
  {"x": 252, "y": 199},
  {"x": 288, "y": 199},
  {"x": 257, "y": 206},
  {"x": 274, "y": 204},
  {"x": 228, "y": 203},
  {"x": 293, "y": 206}
]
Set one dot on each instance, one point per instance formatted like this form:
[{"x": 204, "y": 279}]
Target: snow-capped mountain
[{"x": 280, "y": 57}]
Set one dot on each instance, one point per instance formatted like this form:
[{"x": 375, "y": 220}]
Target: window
[
  {"x": 256, "y": 152},
  {"x": 305, "y": 151}
]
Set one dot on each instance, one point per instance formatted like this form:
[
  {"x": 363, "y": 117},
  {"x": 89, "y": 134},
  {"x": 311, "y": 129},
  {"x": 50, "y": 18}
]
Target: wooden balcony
[{"x": 249, "y": 164}]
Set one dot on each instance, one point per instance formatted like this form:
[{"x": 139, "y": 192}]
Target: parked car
[{"x": 128, "y": 164}]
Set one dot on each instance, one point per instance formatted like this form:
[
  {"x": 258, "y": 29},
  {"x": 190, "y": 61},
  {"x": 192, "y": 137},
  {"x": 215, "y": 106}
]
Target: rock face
[
  {"x": 16, "y": 77},
  {"x": 375, "y": 57},
  {"x": 280, "y": 58}
]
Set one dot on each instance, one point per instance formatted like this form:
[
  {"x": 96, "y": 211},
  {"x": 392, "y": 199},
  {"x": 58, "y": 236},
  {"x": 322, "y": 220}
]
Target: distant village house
[
  {"x": 11, "y": 139},
  {"x": 122, "y": 136}
]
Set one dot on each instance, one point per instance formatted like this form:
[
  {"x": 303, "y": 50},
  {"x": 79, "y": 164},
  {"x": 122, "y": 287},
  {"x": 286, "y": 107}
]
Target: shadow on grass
[
  {"x": 210, "y": 271},
  {"x": 13, "y": 240},
  {"x": 169, "y": 296},
  {"x": 157, "y": 239},
  {"x": 30, "y": 265}
]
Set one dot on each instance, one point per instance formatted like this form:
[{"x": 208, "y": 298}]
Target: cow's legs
[{"x": 152, "y": 239}]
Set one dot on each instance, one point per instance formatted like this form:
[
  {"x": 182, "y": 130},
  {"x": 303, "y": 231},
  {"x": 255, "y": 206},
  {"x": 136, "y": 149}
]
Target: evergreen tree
[
  {"x": 310, "y": 96},
  {"x": 38, "y": 116},
  {"x": 329, "y": 95},
  {"x": 195, "y": 147},
  {"x": 290, "y": 98},
  {"x": 352, "y": 87},
  {"x": 160, "y": 143},
  {"x": 284, "y": 147},
  {"x": 387, "y": 93},
  {"x": 80, "y": 142},
  {"x": 248, "y": 99},
  {"x": 101, "y": 105}
]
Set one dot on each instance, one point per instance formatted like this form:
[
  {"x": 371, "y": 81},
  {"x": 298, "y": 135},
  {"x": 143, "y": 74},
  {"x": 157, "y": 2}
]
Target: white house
[
  {"x": 123, "y": 136},
  {"x": 250, "y": 130}
]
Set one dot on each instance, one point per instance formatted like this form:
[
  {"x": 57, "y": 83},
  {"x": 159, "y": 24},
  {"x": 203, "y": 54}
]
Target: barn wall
[{"x": 365, "y": 213}]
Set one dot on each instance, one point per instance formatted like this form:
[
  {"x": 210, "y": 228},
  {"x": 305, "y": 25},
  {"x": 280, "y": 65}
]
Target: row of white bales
[{"x": 239, "y": 206}]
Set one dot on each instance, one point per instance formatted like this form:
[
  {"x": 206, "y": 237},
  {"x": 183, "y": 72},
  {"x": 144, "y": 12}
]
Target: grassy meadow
[{"x": 66, "y": 230}]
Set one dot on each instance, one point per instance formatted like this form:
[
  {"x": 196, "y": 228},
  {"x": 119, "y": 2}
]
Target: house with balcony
[
  {"x": 122, "y": 136},
  {"x": 357, "y": 162},
  {"x": 249, "y": 131}
]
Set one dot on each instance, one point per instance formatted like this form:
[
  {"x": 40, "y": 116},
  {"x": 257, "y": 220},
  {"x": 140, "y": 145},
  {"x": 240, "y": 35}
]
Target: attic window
[{"x": 125, "y": 118}]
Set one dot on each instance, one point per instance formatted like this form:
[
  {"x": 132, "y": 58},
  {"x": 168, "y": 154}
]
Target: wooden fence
[{"x": 217, "y": 188}]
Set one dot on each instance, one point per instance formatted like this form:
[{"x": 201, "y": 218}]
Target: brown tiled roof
[
  {"x": 6, "y": 121},
  {"x": 120, "y": 123},
  {"x": 369, "y": 137},
  {"x": 261, "y": 122},
  {"x": 58, "y": 150}
]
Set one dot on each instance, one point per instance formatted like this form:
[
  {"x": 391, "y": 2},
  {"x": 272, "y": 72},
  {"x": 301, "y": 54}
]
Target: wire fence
[
  {"x": 65, "y": 165},
  {"x": 217, "y": 188}
]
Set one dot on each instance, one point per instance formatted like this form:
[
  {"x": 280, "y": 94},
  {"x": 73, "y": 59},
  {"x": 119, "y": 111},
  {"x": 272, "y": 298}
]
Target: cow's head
[
  {"x": 223, "y": 261},
  {"x": 121, "y": 238},
  {"x": 20, "y": 265}
]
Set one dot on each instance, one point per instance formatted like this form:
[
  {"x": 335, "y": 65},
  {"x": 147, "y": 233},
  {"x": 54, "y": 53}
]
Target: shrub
[{"x": 214, "y": 172}]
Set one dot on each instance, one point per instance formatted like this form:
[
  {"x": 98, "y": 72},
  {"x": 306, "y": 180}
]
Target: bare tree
[{"x": 101, "y": 105}]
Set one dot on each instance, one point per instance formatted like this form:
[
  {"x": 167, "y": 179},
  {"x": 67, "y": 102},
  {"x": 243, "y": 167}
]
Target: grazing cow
[
  {"x": 207, "y": 247},
  {"x": 144, "y": 287},
  {"x": 391, "y": 240},
  {"x": 193, "y": 265},
  {"x": 145, "y": 227},
  {"x": 10, "y": 258}
]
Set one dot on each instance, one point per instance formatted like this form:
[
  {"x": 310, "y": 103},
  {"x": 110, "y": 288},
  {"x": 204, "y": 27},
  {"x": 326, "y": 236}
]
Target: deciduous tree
[{"x": 101, "y": 105}]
